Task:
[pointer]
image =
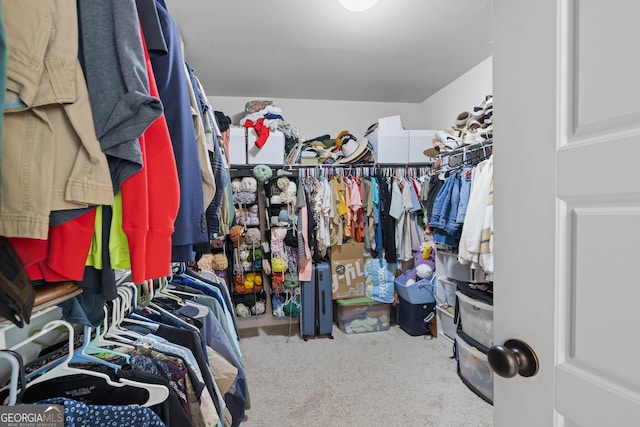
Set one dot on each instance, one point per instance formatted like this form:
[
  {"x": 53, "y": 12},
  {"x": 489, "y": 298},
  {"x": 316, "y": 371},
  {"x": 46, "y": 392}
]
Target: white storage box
[
  {"x": 271, "y": 153},
  {"x": 446, "y": 292},
  {"x": 474, "y": 369},
  {"x": 446, "y": 325},
  {"x": 390, "y": 141},
  {"x": 390, "y": 146},
  {"x": 450, "y": 267},
  {"x": 476, "y": 319},
  {"x": 420, "y": 140},
  {"x": 237, "y": 145}
]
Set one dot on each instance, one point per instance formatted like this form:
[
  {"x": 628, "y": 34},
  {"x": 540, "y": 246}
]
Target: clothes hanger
[
  {"x": 114, "y": 330},
  {"x": 163, "y": 291},
  {"x": 16, "y": 369},
  {"x": 80, "y": 355},
  {"x": 156, "y": 393},
  {"x": 101, "y": 342},
  {"x": 127, "y": 315},
  {"x": 173, "y": 316}
]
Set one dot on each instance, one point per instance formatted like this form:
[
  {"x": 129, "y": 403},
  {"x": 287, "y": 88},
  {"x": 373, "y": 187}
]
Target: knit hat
[
  {"x": 236, "y": 234},
  {"x": 244, "y": 197},
  {"x": 258, "y": 308},
  {"x": 242, "y": 310},
  {"x": 262, "y": 173},
  {"x": 236, "y": 185},
  {"x": 292, "y": 190},
  {"x": 219, "y": 262},
  {"x": 291, "y": 239},
  {"x": 283, "y": 216},
  {"x": 278, "y": 265},
  {"x": 249, "y": 184},
  {"x": 256, "y": 255},
  {"x": 283, "y": 183},
  {"x": 252, "y": 237},
  {"x": 291, "y": 280}
]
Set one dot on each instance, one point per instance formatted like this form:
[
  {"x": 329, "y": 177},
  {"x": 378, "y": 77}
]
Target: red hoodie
[{"x": 150, "y": 199}]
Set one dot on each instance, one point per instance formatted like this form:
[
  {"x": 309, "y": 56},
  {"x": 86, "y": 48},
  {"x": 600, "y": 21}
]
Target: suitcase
[
  {"x": 325, "y": 299},
  {"x": 308, "y": 307},
  {"x": 316, "y": 312}
]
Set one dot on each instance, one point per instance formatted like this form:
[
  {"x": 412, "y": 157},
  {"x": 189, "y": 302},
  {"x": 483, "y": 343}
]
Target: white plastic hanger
[
  {"x": 100, "y": 341},
  {"x": 80, "y": 355},
  {"x": 15, "y": 371},
  {"x": 157, "y": 393},
  {"x": 126, "y": 300}
]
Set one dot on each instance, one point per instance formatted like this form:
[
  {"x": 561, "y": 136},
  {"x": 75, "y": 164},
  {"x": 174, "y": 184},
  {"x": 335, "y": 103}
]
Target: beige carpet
[{"x": 384, "y": 378}]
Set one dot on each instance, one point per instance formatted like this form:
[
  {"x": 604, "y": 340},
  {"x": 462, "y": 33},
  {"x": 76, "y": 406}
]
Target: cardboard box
[
  {"x": 237, "y": 145},
  {"x": 347, "y": 270},
  {"x": 272, "y": 153}
]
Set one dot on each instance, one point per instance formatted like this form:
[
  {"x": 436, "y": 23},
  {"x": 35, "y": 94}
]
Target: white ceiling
[{"x": 398, "y": 51}]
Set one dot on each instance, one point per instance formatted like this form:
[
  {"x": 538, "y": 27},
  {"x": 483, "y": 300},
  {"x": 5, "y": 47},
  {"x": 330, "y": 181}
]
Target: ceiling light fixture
[{"x": 357, "y": 5}]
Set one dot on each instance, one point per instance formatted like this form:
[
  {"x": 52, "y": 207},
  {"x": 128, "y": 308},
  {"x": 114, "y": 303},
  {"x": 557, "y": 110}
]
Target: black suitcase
[
  {"x": 325, "y": 300},
  {"x": 316, "y": 312},
  {"x": 308, "y": 307}
]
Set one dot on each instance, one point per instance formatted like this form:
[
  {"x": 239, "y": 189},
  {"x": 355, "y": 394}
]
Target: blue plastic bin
[{"x": 420, "y": 292}]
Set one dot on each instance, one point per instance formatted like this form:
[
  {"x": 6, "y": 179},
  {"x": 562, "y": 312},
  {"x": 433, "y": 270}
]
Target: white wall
[
  {"x": 318, "y": 117},
  {"x": 440, "y": 110}
]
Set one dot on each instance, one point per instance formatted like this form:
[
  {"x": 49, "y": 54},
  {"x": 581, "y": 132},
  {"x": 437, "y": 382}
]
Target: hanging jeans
[{"x": 446, "y": 230}]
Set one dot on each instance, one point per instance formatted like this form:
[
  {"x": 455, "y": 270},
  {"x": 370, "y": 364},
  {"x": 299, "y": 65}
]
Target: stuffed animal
[{"x": 422, "y": 267}]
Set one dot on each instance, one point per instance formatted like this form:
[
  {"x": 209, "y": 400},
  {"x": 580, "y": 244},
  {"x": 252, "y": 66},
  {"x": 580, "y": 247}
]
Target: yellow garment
[
  {"x": 118, "y": 242},
  {"x": 94, "y": 258},
  {"x": 342, "y": 206}
]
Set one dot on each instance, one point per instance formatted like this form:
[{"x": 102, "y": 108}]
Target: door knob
[{"x": 513, "y": 358}]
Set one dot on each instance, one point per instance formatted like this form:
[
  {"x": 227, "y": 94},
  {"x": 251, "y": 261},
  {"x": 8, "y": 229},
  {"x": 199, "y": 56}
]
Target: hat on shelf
[{"x": 352, "y": 150}]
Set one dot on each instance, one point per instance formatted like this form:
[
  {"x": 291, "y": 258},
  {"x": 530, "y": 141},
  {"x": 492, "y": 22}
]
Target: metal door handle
[{"x": 513, "y": 358}]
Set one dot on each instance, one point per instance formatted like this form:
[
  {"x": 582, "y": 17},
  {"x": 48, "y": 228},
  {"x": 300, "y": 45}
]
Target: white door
[{"x": 567, "y": 209}]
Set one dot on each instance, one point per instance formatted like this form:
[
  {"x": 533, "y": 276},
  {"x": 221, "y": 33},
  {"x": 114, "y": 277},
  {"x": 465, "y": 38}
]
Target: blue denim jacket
[
  {"x": 445, "y": 210},
  {"x": 465, "y": 192}
]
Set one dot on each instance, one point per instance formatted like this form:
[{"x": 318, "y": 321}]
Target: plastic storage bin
[
  {"x": 420, "y": 292},
  {"x": 272, "y": 153},
  {"x": 446, "y": 324},
  {"x": 476, "y": 319},
  {"x": 358, "y": 315},
  {"x": 415, "y": 319},
  {"x": 237, "y": 145},
  {"x": 452, "y": 268},
  {"x": 446, "y": 291},
  {"x": 474, "y": 369}
]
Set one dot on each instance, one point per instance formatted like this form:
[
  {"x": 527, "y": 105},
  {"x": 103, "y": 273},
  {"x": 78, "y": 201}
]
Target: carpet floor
[{"x": 386, "y": 378}]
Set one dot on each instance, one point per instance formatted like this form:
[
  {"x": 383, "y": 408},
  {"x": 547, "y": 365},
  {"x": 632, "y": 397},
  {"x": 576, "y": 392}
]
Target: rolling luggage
[
  {"x": 316, "y": 313},
  {"x": 308, "y": 307},
  {"x": 325, "y": 301}
]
